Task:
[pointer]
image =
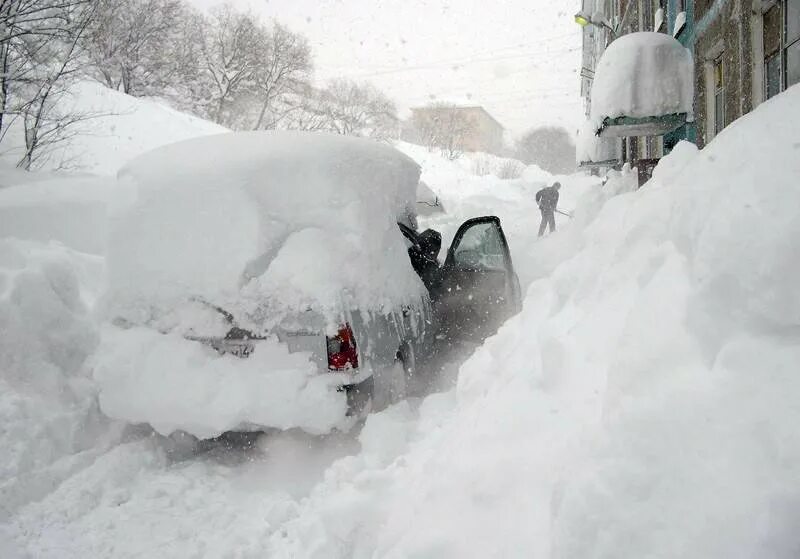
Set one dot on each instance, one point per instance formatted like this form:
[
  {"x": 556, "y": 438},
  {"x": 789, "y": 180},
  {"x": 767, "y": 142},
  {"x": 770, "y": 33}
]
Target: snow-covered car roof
[{"x": 290, "y": 220}]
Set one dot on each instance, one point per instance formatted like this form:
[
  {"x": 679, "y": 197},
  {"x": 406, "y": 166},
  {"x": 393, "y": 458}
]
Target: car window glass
[{"x": 480, "y": 248}]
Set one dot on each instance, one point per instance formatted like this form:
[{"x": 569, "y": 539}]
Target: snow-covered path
[{"x": 148, "y": 497}]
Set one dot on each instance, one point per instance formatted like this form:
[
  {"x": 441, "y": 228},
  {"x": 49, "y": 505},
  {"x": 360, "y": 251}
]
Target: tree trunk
[{"x": 4, "y": 79}]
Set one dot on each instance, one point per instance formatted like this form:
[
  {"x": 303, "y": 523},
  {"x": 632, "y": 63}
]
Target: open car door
[{"x": 479, "y": 288}]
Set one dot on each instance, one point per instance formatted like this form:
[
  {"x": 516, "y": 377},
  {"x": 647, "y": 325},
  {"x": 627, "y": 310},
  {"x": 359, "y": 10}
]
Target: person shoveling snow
[{"x": 547, "y": 198}]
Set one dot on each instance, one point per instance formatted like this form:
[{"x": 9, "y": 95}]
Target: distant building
[{"x": 477, "y": 129}]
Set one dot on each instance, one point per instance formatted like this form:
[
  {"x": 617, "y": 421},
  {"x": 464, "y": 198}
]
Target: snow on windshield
[{"x": 263, "y": 223}]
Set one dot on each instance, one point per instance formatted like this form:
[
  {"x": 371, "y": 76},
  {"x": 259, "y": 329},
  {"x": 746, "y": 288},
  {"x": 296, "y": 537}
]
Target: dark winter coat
[{"x": 547, "y": 198}]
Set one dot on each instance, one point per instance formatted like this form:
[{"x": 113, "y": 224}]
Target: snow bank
[
  {"x": 641, "y": 75},
  {"x": 271, "y": 223},
  {"x": 120, "y": 128},
  {"x": 70, "y": 210},
  {"x": 644, "y": 402},
  {"x": 47, "y": 407}
]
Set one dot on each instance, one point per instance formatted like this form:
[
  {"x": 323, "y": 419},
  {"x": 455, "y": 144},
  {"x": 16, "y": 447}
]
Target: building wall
[
  {"x": 487, "y": 135},
  {"x": 722, "y": 31}
]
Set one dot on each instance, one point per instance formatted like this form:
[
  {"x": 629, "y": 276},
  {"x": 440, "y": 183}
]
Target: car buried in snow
[{"x": 245, "y": 242}]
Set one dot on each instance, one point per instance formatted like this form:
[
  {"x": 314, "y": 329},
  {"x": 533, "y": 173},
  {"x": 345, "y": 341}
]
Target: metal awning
[
  {"x": 598, "y": 164},
  {"x": 625, "y": 126}
]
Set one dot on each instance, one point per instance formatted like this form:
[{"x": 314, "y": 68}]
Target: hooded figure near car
[{"x": 547, "y": 198}]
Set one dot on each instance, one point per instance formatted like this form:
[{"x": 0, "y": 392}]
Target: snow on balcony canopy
[
  {"x": 594, "y": 151},
  {"x": 643, "y": 85}
]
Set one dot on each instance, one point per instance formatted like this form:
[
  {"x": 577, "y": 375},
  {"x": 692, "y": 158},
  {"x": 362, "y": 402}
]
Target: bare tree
[
  {"x": 444, "y": 127},
  {"x": 42, "y": 45},
  {"x": 230, "y": 59},
  {"x": 284, "y": 70},
  {"x": 46, "y": 121},
  {"x": 129, "y": 40},
  {"x": 353, "y": 109},
  {"x": 549, "y": 147}
]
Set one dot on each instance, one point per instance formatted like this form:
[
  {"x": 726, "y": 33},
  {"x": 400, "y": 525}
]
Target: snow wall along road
[{"x": 644, "y": 403}]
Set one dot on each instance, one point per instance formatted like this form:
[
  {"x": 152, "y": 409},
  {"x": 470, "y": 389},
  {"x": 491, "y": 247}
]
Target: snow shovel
[{"x": 569, "y": 215}]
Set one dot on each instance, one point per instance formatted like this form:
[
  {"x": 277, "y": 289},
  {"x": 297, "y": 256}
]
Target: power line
[
  {"x": 463, "y": 62},
  {"x": 469, "y": 57}
]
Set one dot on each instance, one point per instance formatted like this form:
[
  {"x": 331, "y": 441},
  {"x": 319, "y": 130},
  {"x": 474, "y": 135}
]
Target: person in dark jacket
[{"x": 547, "y": 198}]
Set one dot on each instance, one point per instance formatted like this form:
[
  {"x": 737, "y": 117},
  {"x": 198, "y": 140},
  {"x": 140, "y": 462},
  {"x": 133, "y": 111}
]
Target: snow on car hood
[{"x": 286, "y": 220}]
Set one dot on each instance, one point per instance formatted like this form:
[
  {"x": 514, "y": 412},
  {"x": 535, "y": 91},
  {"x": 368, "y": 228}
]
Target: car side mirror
[{"x": 430, "y": 242}]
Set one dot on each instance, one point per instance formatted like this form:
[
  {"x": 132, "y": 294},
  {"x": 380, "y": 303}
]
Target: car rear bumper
[{"x": 359, "y": 397}]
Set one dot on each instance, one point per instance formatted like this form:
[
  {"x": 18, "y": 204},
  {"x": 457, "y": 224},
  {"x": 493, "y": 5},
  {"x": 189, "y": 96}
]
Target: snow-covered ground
[
  {"x": 117, "y": 128},
  {"x": 643, "y": 403}
]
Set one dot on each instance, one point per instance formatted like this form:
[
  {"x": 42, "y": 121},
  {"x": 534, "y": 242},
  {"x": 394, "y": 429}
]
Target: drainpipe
[{"x": 741, "y": 57}]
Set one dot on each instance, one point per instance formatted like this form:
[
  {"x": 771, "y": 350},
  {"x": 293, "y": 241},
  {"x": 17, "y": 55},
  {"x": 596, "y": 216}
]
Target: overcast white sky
[{"x": 518, "y": 58}]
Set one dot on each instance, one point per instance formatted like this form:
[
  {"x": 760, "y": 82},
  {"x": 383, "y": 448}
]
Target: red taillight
[{"x": 342, "y": 352}]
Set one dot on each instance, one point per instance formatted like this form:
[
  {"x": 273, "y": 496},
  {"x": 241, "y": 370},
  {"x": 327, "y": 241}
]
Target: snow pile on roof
[
  {"x": 120, "y": 128},
  {"x": 644, "y": 403},
  {"x": 641, "y": 75},
  {"x": 47, "y": 407},
  {"x": 264, "y": 224}
]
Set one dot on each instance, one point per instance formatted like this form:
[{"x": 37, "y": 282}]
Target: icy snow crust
[{"x": 641, "y": 75}]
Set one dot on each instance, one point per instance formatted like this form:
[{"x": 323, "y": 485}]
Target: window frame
[
  {"x": 719, "y": 93},
  {"x": 788, "y": 43}
]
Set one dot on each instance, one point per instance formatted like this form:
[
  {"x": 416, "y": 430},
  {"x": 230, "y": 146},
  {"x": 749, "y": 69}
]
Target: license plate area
[{"x": 237, "y": 348}]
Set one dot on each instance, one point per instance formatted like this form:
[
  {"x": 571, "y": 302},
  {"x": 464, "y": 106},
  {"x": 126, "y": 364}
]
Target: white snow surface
[
  {"x": 117, "y": 128},
  {"x": 590, "y": 147},
  {"x": 48, "y": 416},
  {"x": 72, "y": 211},
  {"x": 265, "y": 224},
  {"x": 640, "y": 75},
  {"x": 643, "y": 403}
]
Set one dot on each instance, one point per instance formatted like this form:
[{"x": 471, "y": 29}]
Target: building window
[
  {"x": 772, "y": 75},
  {"x": 719, "y": 95},
  {"x": 648, "y": 20},
  {"x": 791, "y": 42}
]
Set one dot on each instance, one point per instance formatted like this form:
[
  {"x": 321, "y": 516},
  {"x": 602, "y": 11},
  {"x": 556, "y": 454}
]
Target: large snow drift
[
  {"x": 643, "y": 404},
  {"x": 643, "y": 75},
  {"x": 116, "y": 128},
  {"x": 72, "y": 211},
  {"x": 47, "y": 408}
]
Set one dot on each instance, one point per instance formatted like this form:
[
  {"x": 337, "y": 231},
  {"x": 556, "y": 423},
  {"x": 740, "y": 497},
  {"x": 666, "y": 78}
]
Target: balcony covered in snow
[
  {"x": 595, "y": 152},
  {"x": 643, "y": 86}
]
